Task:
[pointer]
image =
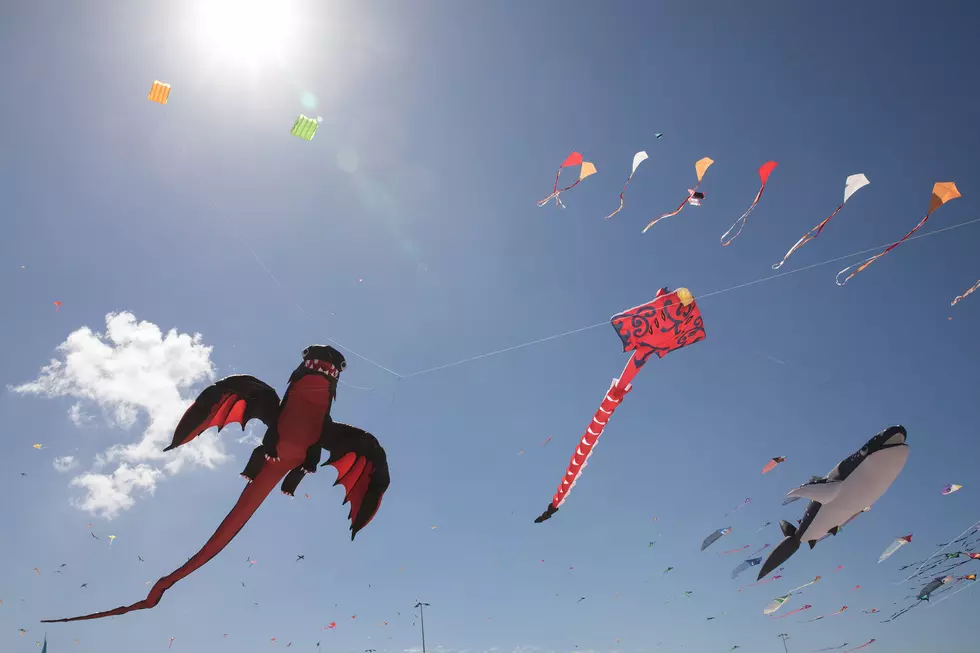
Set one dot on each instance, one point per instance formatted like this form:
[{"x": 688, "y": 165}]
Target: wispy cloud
[
  {"x": 131, "y": 371},
  {"x": 249, "y": 437},
  {"x": 65, "y": 463},
  {"x": 78, "y": 416}
]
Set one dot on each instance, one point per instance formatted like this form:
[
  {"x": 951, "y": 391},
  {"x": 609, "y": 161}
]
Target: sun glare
[{"x": 250, "y": 32}]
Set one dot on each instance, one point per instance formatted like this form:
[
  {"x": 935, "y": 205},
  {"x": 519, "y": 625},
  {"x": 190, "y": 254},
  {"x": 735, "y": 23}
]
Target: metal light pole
[
  {"x": 784, "y": 637},
  {"x": 422, "y": 606}
]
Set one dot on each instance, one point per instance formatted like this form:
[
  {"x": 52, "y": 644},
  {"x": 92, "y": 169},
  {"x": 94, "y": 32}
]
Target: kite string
[
  {"x": 713, "y": 293},
  {"x": 972, "y": 526},
  {"x": 971, "y": 585},
  {"x": 288, "y": 296}
]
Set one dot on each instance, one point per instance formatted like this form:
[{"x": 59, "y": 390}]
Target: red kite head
[{"x": 671, "y": 321}]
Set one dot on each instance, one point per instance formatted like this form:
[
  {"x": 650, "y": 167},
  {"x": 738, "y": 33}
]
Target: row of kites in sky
[
  {"x": 305, "y": 127},
  {"x": 942, "y": 192}
]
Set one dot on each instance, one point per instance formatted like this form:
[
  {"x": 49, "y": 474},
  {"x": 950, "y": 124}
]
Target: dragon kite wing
[
  {"x": 232, "y": 400},
  {"x": 671, "y": 321},
  {"x": 942, "y": 192},
  {"x": 362, "y": 468}
]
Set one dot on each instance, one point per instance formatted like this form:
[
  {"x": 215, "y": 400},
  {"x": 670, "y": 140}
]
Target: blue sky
[{"x": 407, "y": 230}]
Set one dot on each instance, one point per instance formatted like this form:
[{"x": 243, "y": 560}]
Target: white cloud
[
  {"x": 78, "y": 416},
  {"x": 132, "y": 371},
  {"x": 250, "y": 439},
  {"x": 65, "y": 463}
]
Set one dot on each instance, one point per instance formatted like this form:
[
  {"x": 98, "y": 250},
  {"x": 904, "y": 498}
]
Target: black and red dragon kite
[{"x": 297, "y": 428}]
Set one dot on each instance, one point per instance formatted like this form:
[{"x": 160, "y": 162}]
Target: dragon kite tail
[{"x": 249, "y": 501}]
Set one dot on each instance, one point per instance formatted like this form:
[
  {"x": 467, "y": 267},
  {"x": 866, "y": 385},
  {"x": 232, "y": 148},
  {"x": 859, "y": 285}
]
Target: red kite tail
[{"x": 251, "y": 498}]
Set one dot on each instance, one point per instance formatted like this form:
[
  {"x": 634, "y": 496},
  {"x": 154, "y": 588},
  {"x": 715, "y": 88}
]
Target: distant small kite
[
  {"x": 747, "y": 501},
  {"x": 771, "y": 465},
  {"x": 57, "y": 305},
  {"x": 791, "y": 612},
  {"x": 304, "y": 127},
  {"x": 159, "y": 92},
  {"x": 894, "y": 546},
  {"x": 711, "y": 539},
  {"x": 742, "y": 566},
  {"x": 952, "y": 487}
]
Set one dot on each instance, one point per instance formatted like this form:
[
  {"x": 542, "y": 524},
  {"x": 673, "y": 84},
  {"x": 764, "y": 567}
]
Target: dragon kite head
[{"x": 324, "y": 359}]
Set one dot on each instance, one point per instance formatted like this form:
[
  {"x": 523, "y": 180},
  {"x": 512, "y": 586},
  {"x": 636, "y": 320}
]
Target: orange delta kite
[
  {"x": 764, "y": 173},
  {"x": 57, "y": 305},
  {"x": 966, "y": 294},
  {"x": 700, "y": 167},
  {"x": 942, "y": 192},
  {"x": 852, "y": 184},
  {"x": 587, "y": 169}
]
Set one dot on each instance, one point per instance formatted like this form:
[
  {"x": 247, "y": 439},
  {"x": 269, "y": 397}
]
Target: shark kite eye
[
  {"x": 306, "y": 351},
  {"x": 864, "y": 451},
  {"x": 343, "y": 365}
]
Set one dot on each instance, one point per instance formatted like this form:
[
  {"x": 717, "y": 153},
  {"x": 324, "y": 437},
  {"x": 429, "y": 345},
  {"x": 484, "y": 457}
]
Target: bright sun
[{"x": 249, "y": 32}]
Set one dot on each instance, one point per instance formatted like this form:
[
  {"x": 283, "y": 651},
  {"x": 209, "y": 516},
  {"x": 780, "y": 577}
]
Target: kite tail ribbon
[
  {"x": 249, "y": 501},
  {"x": 942, "y": 192},
  {"x": 557, "y": 192},
  {"x": 863, "y": 265},
  {"x": 675, "y": 212},
  {"x": 638, "y": 158},
  {"x": 807, "y": 237},
  {"x": 622, "y": 199},
  {"x": 579, "y": 461},
  {"x": 966, "y": 294},
  {"x": 764, "y": 173}
]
